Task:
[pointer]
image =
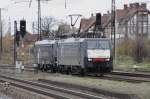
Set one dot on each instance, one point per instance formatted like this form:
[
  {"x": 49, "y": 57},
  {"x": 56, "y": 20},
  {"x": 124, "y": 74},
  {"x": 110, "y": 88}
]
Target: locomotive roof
[
  {"x": 69, "y": 40},
  {"x": 44, "y": 42}
]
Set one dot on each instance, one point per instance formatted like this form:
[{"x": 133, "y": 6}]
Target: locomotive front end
[{"x": 99, "y": 55}]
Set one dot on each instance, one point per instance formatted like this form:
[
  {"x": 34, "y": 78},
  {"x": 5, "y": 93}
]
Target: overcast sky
[{"x": 55, "y": 8}]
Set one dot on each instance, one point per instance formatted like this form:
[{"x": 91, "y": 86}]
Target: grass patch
[{"x": 128, "y": 63}]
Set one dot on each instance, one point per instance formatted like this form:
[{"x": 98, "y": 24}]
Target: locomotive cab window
[{"x": 98, "y": 44}]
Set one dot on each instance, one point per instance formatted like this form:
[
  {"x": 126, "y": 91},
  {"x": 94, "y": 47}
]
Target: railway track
[
  {"x": 134, "y": 77},
  {"x": 50, "y": 90},
  {"x": 119, "y": 76},
  {"x": 125, "y": 78},
  {"x": 131, "y": 74},
  {"x": 89, "y": 89},
  {"x": 12, "y": 67},
  {"x": 119, "y": 72},
  {"x": 123, "y": 73}
]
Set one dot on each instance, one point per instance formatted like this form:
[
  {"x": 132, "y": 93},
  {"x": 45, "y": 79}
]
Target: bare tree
[{"x": 47, "y": 26}]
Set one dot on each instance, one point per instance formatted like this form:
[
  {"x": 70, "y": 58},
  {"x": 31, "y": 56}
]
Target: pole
[
  {"x": 65, "y": 4},
  {"x": 33, "y": 27},
  {"x": 113, "y": 30},
  {"x": 9, "y": 25},
  {"x": 39, "y": 19},
  {"x": 15, "y": 31},
  {"x": 1, "y": 30}
]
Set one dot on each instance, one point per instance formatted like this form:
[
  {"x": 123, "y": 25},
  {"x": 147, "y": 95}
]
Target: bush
[
  {"x": 147, "y": 49},
  {"x": 137, "y": 49},
  {"x": 126, "y": 48}
]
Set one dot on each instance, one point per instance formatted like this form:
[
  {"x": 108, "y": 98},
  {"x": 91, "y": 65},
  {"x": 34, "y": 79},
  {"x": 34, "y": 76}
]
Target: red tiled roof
[
  {"x": 104, "y": 18},
  {"x": 85, "y": 24},
  {"x": 122, "y": 15},
  {"x": 30, "y": 37}
]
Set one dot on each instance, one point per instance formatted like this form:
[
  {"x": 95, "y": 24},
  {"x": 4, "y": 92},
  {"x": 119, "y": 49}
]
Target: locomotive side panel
[
  {"x": 69, "y": 54},
  {"x": 43, "y": 54}
]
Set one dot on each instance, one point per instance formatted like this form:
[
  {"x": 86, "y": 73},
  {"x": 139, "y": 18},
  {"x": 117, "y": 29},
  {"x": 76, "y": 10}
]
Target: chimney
[
  {"x": 137, "y": 5},
  {"x": 131, "y": 6},
  {"x": 125, "y": 7},
  {"x": 143, "y": 5},
  {"x": 105, "y": 14},
  {"x": 108, "y": 12}
]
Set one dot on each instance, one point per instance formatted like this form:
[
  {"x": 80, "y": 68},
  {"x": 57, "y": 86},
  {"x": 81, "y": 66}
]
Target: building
[{"x": 132, "y": 21}]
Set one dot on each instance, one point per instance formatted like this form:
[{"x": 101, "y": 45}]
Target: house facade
[{"x": 132, "y": 21}]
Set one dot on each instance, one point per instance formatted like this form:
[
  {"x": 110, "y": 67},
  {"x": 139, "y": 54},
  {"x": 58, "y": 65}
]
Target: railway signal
[
  {"x": 21, "y": 33},
  {"x": 22, "y": 28},
  {"x": 98, "y": 19},
  {"x": 98, "y": 26}
]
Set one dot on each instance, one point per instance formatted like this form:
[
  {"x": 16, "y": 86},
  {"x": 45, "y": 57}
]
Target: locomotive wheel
[
  {"x": 44, "y": 68},
  {"x": 53, "y": 70},
  {"x": 58, "y": 69},
  {"x": 67, "y": 72},
  {"x": 83, "y": 72},
  {"x": 101, "y": 75},
  {"x": 61, "y": 69}
]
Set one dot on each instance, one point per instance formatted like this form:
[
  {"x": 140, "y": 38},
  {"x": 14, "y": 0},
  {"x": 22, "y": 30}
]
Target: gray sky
[{"x": 55, "y": 8}]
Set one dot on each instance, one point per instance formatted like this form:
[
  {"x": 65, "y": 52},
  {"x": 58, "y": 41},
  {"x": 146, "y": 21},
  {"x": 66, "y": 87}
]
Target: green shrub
[
  {"x": 139, "y": 50},
  {"x": 125, "y": 48}
]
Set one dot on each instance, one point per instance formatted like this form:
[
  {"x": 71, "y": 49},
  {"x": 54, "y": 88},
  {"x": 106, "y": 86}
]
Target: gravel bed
[
  {"x": 10, "y": 92},
  {"x": 142, "y": 90},
  {"x": 3, "y": 96}
]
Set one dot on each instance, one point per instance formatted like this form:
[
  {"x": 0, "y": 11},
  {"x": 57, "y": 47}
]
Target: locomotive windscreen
[{"x": 98, "y": 44}]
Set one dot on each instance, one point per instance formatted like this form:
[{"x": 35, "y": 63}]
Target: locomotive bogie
[{"x": 44, "y": 52}]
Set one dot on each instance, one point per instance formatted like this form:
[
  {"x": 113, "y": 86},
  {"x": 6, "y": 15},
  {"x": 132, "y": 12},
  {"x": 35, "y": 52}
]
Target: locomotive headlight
[
  {"x": 107, "y": 59},
  {"x": 89, "y": 59}
]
